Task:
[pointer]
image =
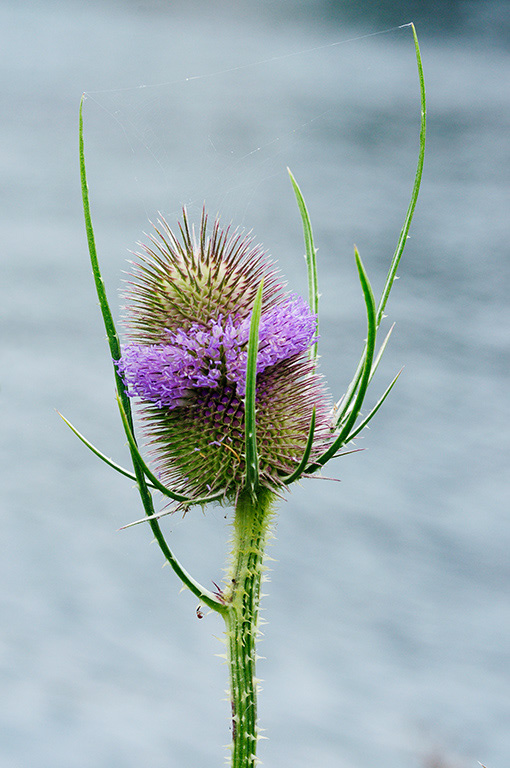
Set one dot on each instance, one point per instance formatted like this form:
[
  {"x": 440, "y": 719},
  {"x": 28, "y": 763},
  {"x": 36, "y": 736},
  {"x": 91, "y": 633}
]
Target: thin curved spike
[
  {"x": 306, "y": 455},
  {"x": 250, "y": 423},
  {"x": 416, "y": 188},
  {"x": 311, "y": 259},
  {"x": 109, "y": 324},
  {"x": 374, "y": 410},
  {"x": 343, "y": 411},
  {"x": 379, "y": 355},
  {"x": 97, "y": 452},
  {"x": 347, "y": 453},
  {"x": 367, "y": 367},
  {"x": 342, "y": 408},
  {"x": 146, "y": 519},
  {"x": 390, "y": 278}
]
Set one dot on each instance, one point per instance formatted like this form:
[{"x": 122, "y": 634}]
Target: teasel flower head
[{"x": 189, "y": 305}]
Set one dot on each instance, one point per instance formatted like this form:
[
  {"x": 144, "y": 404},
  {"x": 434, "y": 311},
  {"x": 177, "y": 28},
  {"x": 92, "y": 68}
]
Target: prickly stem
[{"x": 242, "y": 594}]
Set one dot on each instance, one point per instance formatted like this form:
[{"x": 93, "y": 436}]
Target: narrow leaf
[
  {"x": 250, "y": 423},
  {"x": 365, "y": 374},
  {"x": 415, "y": 192},
  {"x": 306, "y": 455},
  {"x": 111, "y": 332},
  {"x": 311, "y": 260},
  {"x": 343, "y": 407},
  {"x": 381, "y": 352}
]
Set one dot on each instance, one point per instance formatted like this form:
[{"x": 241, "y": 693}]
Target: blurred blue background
[{"x": 389, "y": 606}]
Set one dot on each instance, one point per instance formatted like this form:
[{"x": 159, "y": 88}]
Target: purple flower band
[{"x": 200, "y": 356}]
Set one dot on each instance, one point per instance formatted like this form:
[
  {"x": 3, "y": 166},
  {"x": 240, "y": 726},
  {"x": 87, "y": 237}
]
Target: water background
[{"x": 388, "y": 612}]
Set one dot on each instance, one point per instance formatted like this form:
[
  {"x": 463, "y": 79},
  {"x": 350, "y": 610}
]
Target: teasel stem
[{"x": 242, "y": 595}]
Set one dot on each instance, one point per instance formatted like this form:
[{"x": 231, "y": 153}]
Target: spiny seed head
[{"x": 188, "y": 306}]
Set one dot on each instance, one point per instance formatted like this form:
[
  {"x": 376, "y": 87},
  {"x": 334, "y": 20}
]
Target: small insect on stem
[{"x": 200, "y": 614}]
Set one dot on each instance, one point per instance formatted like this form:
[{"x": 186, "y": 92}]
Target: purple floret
[
  {"x": 163, "y": 374},
  {"x": 200, "y": 356},
  {"x": 284, "y": 331}
]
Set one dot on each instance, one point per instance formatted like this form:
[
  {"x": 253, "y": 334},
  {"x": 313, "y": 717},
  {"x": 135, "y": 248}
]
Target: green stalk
[{"x": 242, "y": 595}]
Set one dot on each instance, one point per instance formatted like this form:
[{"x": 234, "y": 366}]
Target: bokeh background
[{"x": 388, "y": 612}]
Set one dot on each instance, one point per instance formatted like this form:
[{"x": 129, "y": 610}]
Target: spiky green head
[{"x": 188, "y": 306}]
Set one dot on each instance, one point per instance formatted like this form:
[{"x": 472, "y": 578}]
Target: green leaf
[
  {"x": 306, "y": 455},
  {"x": 341, "y": 439},
  {"x": 311, "y": 260},
  {"x": 111, "y": 332},
  {"x": 415, "y": 192},
  {"x": 250, "y": 423}
]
